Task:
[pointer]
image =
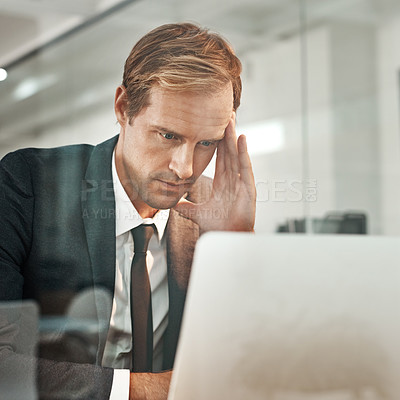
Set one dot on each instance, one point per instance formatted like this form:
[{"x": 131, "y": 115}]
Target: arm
[
  {"x": 146, "y": 386},
  {"x": 16, "y": 212},
  {"x": 55, "y": 379}
]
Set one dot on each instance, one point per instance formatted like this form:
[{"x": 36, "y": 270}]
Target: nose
[{"x": 182, "y": 162}]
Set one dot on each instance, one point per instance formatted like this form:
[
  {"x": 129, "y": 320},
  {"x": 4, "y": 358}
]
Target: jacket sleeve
[
  {"x": 55, "y": 379},
  {"x": 16, "y": 211}
]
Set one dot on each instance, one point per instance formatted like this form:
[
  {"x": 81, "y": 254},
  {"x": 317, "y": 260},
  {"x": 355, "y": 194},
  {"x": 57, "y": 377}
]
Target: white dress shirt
[{"x": 117, "y": 352}]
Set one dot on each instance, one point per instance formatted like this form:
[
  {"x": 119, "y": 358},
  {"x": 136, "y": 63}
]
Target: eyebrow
[{"x": 178, "y": 135}]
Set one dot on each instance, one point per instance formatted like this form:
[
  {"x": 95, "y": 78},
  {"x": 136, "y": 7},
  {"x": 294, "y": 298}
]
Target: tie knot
[{"x": 141, "y": 237}]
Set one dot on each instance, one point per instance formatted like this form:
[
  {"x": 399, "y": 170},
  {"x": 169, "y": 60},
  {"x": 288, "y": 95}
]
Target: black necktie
[{"x": 141, "y": 311}]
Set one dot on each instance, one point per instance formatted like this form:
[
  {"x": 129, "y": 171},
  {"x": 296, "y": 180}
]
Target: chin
[{"x": 163, "y": 203}]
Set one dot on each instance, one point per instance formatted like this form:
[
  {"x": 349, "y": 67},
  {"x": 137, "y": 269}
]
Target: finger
[
  {"x": 246, "y": 170},
  {"x": 231, "y": 156},
  {"x": 187, "y": 209},
  {"x": 220, "y": 161},
  {"x": 227, "y": 160}
]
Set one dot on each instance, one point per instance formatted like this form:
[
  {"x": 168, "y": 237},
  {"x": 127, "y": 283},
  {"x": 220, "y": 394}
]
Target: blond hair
[{"x": 183, "y": 57}]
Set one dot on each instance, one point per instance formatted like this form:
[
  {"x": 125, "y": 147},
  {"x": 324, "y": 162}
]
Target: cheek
[
  {"x": 149, "y": 156},
  {"x": 155, "y": 161},
  {"x": 202, "y": 159}
]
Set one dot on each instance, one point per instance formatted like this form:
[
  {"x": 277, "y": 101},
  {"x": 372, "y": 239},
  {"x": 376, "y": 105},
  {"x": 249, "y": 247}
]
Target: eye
[
  {"x": 167, "y": 135},
  {"x": 206, "y": 143}
]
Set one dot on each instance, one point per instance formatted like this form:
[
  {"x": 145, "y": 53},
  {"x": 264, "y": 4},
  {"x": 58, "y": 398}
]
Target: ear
[{"x": 121, "y": 105}]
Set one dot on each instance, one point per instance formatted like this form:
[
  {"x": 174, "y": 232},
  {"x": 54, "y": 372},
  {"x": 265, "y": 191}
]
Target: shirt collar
[{"x": 126, "y": 215}]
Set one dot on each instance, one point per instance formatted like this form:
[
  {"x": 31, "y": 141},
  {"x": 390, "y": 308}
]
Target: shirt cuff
[{"x": 120, "y": 385}]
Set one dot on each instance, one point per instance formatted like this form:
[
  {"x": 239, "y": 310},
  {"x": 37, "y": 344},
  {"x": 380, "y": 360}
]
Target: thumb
[{"x": 187, "y": 209}]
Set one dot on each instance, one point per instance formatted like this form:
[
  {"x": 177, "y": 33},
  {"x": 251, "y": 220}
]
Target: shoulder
[
  {"x": 45, "y": 162},
  {"x": 43, "y": 168},
  {"x": 40, "y": 155}
]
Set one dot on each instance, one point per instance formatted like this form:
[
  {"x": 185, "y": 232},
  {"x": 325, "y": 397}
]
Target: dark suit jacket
[{"x": 57, "y": 237}]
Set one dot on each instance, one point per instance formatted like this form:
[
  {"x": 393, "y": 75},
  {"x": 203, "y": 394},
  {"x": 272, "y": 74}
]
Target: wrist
[{"x": 137, "y": 387}]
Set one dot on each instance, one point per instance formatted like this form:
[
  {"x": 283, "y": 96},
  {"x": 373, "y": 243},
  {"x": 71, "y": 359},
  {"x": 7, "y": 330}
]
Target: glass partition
[
  {"x": 319, "y": 106},
  {"x": 320, "y": 109}
]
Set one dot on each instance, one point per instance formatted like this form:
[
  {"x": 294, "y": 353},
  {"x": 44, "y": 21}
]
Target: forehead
[{"x": 184, "y": 112}]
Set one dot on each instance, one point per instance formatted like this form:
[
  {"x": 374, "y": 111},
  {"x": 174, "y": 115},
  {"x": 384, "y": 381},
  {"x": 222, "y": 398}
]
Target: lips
[
  {"x": 171, "y": 183},
  {"x": 173, "y": 186}
]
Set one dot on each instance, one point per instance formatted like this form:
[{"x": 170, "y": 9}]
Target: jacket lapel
[{"x": 98, "y": 213}]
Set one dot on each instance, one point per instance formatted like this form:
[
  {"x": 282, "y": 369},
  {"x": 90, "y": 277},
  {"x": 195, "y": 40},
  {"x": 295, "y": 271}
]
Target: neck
[{"x": 143, "y": 209}]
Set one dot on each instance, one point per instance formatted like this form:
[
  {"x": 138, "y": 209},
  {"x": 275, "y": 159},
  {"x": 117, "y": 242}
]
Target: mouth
[{"x": 173, "y": 186}]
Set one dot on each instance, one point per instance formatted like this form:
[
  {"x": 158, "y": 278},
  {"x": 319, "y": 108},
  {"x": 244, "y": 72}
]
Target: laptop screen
[{"x": 291, "y": 317}]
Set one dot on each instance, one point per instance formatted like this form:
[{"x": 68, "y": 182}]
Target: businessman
[{"x": 73, "y": 218}]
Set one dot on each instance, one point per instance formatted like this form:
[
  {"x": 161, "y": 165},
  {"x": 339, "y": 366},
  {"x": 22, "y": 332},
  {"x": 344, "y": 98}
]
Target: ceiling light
[
  {"x": 31, "y": 86},
  {"x": 3, "y": 74}
]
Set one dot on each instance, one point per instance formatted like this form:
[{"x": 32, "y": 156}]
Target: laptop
[
  {"x": 18, "y": 341},
  {"x": 291, "y": 317}
]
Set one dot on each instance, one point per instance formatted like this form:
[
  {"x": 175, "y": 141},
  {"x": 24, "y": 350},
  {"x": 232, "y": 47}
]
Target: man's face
[{"x": 167, "y": 146}]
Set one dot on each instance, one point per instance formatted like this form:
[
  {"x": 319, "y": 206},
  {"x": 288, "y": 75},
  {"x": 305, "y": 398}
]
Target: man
[{"x": 68, "y": 213}]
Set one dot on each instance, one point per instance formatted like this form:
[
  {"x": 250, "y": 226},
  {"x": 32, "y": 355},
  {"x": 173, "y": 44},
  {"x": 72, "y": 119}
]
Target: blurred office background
[{"x": 320, "y": 102}]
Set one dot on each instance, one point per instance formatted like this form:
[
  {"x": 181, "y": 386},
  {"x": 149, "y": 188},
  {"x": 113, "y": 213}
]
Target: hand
[
  {"x": 232, "y": 204},
  {"x": 148, "y": 386}
]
